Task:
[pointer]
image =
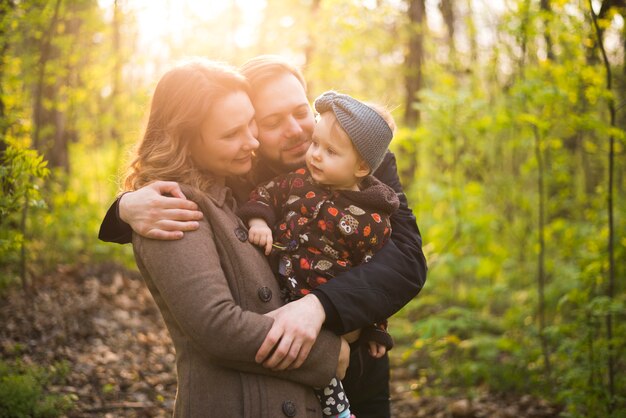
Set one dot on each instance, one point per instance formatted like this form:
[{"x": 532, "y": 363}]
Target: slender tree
[
  {"x": 547, "y": 12},
  {"x": 6, "y": 8},
  {"x": 605, "y": 8},
  {"x": 117, "y": 70},
  {"x": 525, "y": 5},
  {"x": 39, "y": 120},
  {"x": 414, "y": 60},
  {"x": 449, "y": 17},
  {"x": 43, "y": 90},
  {"x": 611, "y": 226},
  {"x": 541, "y": 262},
  {"x": 471, "y": 33}
]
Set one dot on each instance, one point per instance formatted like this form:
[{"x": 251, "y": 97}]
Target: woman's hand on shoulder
[{"x": 153, "y": 215}]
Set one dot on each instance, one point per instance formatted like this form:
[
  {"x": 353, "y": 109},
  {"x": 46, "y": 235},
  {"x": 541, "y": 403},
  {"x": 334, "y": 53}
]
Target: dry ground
[{"x": 103, "y": 322}]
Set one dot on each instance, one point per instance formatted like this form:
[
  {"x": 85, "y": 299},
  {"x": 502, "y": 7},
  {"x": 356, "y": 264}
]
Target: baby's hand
[
  {"x": 376, "y": 350},
  {"x": 260, "y": 234}
]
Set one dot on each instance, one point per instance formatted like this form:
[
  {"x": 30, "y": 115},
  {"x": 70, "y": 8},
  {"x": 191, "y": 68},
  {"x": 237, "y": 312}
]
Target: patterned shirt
[{"x": 318, "y": 232}]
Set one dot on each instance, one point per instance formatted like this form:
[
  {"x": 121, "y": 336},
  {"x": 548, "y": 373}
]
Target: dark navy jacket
[{"x": 365, "y": 294}]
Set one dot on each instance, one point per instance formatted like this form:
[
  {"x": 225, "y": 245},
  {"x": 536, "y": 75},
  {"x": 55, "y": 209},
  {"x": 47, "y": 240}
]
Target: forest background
[{"x": 511, "y": 149}]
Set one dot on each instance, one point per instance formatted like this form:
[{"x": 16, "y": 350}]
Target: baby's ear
[{"x": 362, "y": 169}]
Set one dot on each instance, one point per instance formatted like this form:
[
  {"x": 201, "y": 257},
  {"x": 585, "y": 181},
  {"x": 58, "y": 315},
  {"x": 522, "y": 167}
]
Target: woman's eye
[{"x": 331, "y": 151}]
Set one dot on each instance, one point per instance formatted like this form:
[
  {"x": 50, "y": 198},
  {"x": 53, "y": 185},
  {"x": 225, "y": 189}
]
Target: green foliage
[
  {"x": 68, "y": 232},
  {"x": 474, "y": 191},
  {"x": 21, "y": 175},
  {"x": 58, "y": 55},
  {"x": 24, "y": 390}
]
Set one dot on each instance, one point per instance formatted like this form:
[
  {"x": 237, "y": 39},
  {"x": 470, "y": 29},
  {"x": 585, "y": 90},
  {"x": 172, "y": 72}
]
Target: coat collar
[{"x": 217, "y": 193}]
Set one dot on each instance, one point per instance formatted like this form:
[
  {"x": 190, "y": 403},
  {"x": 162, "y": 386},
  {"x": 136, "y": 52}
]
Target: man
[{"x": 366, "y": 294}]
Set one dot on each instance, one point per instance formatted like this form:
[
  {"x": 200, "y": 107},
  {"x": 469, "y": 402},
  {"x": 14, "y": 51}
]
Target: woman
[{"x": 213, "y": 286}]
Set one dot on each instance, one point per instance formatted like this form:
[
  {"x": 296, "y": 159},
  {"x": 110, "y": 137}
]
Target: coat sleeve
[
  {"x": 263, "y": 204},
  {"x": 191, "y": 283},
  {"x": 376, "y": 290},
  {"x": 113, "y": 229},
  {"x": 267, "y": 200}
]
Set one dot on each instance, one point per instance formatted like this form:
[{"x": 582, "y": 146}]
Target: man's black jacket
[{"x": 367, "y": 293}]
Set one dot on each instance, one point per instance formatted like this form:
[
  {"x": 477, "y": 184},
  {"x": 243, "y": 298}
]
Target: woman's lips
[{"x": 244, "y": 159}]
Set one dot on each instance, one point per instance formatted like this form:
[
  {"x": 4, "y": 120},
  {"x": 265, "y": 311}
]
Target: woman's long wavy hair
[{"x": 181, "y": 102}]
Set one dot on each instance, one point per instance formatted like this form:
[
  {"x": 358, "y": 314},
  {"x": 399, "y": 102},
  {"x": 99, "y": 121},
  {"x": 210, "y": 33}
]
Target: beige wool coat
[{"x": 212, "y": 288}]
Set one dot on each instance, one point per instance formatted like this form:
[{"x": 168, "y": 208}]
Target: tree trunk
[
  {"x": 471, "y": 34},
  {"x": 117, "y": 72},
  {"x": 547, "y": 10},
  {"x": 541, "y": 275},
  {"x": 524, "y": 36},
  {"x": 610, "y": 290},
  {"x": 605, "y": 8},
  {"x": 414, "y": 60},
  {"x": 43, "y": 115},
  {"x": 449, "y": 17},
  {"x": 6, "y": 8}
]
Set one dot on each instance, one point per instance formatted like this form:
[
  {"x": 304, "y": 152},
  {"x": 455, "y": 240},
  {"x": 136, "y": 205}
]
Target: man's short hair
[{"x": 263, "y": 68}]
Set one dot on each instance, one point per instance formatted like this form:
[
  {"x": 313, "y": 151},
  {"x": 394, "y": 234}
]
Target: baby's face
[{"x": 331, "y": 158}]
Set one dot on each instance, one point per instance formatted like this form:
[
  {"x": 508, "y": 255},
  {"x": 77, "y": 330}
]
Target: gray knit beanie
[{"x": 368, "y": 131}]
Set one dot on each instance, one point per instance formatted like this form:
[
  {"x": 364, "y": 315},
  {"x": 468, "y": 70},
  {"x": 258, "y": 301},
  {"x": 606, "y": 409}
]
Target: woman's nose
[{"x": 251, "y": 143}]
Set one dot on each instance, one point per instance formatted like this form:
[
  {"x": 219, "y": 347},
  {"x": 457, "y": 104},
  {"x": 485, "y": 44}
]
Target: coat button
[
  {"x": 289, "y": 409},
  {"x": 265, "y": 293},
  {"x": 242, "y": 234}
]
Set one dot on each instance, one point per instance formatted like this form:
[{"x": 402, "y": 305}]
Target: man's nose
[{"x": 293, "y": 127}]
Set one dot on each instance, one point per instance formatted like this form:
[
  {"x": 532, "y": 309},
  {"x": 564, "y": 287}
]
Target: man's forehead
[{"x": 279, "y": 95}]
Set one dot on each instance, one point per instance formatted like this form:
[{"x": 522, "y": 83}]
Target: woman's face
[{"x": 228, "y": 137}]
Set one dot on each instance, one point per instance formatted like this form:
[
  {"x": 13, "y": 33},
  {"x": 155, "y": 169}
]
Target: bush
[
  {"x": 23, "y": 391},
  {"x": 21, "y": 173}
]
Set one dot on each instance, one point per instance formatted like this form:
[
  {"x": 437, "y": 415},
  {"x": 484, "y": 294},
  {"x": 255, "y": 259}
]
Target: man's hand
[
  {"x": 260, "y": 234},
  {"x": 376, "y": 350},
  {"x": 152, "y": 215},
  {"x": 295, "y": 329},
  {"x": 353, "y": 336}
]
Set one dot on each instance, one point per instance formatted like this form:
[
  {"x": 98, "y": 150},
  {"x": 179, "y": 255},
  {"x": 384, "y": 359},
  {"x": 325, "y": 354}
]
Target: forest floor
[{"x": 103, "y": 323}]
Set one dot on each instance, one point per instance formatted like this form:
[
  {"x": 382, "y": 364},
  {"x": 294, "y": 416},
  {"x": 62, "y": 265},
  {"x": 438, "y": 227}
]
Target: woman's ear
[{"x": 362, "y": 169}]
